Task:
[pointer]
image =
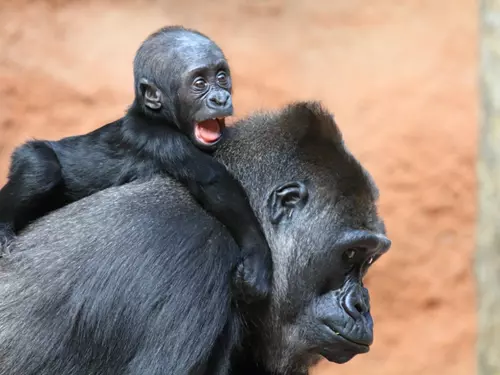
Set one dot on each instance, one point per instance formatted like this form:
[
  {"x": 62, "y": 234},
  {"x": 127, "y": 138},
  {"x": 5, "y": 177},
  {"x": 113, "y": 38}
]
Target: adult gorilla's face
[
  {"x": 322, "y": 225},
  {"x": 320, "y": 305}
]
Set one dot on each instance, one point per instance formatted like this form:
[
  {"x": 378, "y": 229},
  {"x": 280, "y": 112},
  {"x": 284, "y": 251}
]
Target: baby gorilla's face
[
  {"x": 184, "y": 80},
  {"x": 205, "y": 99}
]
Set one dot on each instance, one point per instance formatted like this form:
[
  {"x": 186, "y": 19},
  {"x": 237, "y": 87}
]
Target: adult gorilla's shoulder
[{"x": 136, "y": 267}]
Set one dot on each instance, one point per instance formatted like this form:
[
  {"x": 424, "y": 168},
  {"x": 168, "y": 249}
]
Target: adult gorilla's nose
[
  {"x": 355, "y": 303},
  {"x": 384, "y": 243}
]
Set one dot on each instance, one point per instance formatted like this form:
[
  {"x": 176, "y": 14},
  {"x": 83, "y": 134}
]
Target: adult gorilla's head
[
  {"x": 318, "y": 209},
  {"x": 136, "y": 279}
]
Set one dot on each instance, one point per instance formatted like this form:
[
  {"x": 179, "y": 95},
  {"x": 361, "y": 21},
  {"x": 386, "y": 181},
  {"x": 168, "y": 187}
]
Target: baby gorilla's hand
[{"x": 253, "y": 276}]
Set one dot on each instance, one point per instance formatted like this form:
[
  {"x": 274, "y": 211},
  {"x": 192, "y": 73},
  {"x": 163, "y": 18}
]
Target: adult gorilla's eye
[
  {"x": 222, "y": 78},
  {"x": 370, "y": 260},
  {"x": 200, "y": 83},
  {"x": 350, "y": 254}
]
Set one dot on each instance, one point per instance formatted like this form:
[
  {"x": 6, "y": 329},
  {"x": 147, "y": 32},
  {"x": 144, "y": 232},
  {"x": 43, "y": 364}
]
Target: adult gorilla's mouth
[
  {"x": 209, "y": 131},
  {"x": 341, "y": 348},
  {"x": 361, "y": 345}
]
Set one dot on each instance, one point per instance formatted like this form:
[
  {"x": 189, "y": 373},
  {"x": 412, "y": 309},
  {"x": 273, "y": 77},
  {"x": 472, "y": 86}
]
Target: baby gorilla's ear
[{"x": 150, "y": 94}]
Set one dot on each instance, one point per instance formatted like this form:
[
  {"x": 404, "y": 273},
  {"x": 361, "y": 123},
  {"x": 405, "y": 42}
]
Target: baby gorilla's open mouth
[{"x": 209, "y": 131}]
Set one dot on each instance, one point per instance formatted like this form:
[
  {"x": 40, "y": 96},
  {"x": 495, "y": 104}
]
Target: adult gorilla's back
[
  {"x": 136, "y": 279},
  {"x": 100, "y": 281}
]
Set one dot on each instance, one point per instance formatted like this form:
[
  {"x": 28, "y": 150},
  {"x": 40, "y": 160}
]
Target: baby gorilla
[{"x": 182, "y": 95}]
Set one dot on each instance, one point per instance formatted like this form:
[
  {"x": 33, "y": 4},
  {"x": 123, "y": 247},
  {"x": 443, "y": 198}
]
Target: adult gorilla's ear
[
  {"x": 151, "y": 94},
  {"x": 285, "y": 199}
]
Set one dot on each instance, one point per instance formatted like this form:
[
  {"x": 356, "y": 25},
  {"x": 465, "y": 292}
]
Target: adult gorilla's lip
[
  {"x": 337, "y": 357},
  {"x": 363, "y": 347}
]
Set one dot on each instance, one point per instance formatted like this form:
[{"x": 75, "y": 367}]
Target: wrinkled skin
[{"x": 136, "y": 278}]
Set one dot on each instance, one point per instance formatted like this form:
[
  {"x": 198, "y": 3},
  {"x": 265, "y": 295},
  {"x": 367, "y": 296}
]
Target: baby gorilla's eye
[
  {"x": 370, "y": 260},
  {"x": 222, "y": 78},
  {"x": 200, "y": 83}
]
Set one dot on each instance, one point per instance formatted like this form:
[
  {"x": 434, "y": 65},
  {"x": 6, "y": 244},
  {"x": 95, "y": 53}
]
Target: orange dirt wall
[{"x": 400, "y": 77}]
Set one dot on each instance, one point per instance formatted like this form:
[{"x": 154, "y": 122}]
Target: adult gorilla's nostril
[
  {"x": 358, "y": 307},
  {"x": 355, "y": 305}
]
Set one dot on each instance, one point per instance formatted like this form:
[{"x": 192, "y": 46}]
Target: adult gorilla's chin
[{"x": 137, "y": 279}]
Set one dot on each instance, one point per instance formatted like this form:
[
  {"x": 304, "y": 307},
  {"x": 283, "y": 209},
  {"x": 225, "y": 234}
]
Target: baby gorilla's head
[{"x": 182, "y": 77}]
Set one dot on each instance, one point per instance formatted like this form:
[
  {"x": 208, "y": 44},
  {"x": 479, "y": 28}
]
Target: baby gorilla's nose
[{"x": 219, "y": 99}]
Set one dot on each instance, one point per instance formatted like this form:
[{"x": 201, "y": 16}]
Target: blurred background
[{"x": 400, "y": 76}]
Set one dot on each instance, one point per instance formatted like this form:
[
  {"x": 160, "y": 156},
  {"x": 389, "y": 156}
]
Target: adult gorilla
[{"x": 135, "y": 280}]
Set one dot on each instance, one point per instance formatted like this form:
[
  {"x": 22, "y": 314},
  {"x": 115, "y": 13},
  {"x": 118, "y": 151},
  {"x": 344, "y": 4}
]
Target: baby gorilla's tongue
[{"x": 208, "y": 131}]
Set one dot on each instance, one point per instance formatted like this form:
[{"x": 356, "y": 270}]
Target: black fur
[
  {"x": 136, "y": 279},
  {"x": 156, "y": 136}
]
